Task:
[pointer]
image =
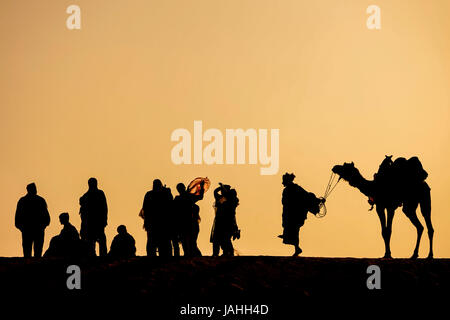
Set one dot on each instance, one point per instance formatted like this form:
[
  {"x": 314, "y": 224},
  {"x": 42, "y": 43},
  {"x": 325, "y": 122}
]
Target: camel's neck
[{"x": 362, "y": 184}]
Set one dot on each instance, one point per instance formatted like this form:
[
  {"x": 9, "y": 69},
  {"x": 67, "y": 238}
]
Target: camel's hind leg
[
  {"x": 409, "y": 208},
  {"x": 425, "y": 208}
]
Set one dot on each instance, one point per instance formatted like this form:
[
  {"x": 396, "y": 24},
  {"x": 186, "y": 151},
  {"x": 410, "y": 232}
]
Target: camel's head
[{"x": 347, "y": 171}]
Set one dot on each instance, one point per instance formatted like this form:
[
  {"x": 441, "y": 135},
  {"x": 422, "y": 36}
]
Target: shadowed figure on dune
[
  {"x": 123, "y": 244},
  {"x": 296, "y": 204},
  {"x": 397, "y": 183},
  {"x": 157, "y": 213},
  {"x": 68, "y": 242},
  {"x": 224, "y": 227},
  {"x": 31, "y": 219},
  {"x": 186, "y": 220},
  {"x": 94, "y": 217},
  {"x": 183, "y": 222}
]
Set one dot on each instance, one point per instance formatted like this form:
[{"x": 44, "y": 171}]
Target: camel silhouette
[{"x": 397, "y": 183}]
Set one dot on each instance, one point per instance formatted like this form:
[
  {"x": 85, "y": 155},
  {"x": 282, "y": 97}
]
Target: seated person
[
  {"x": 68, "y": 232},
  {"x": 67, "y": 242},
  {"x": 123, "y": 244}
]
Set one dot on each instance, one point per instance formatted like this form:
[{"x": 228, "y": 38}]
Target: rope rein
[{"x": 332, "y": 183}]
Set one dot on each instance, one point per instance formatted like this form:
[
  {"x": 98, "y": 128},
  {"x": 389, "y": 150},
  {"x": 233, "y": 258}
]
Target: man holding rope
[{"x": 297, "y": 202}]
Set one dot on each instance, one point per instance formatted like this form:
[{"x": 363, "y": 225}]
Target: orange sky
[{"x": 103, "y": 101}]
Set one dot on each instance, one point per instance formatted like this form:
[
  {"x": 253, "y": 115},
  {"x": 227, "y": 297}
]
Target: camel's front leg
[
  {"x": 384, "y": 232},
  {"x": 390, "y": 219}
]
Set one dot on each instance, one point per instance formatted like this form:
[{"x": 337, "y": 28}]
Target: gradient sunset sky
[{"x": 103, "y": 101}]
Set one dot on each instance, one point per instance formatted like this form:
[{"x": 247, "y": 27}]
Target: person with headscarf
[{"x": 297, "y": 202}]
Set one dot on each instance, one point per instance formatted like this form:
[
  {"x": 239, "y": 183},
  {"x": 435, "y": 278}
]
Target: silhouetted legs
[
  {"x": 216, "y": 249},
  {"x": 99, "y": 237},
  {"x": 102, "y": 244},
  {"x": 390, "y": 218},
  {"x": 151, "y": 244},
  {"x": 298, "y": 250},
  {"x": 409, "y": 208},
  {"x": 156, "y": 242},
  {"x": 425, "y": 208},
  {"x": 27, "y": 243},
  {"x": 164, "y": 248},
  {"x": 385, "y": 232},
  {"x": 32, "y": 239},
  {"x": 226, "y": 245},
  {"x": 195, "y": 231},
  {"x": 176, "y": 247},
  {"x": 186, "y": 243},
  {"x": 291, "y": 236}
]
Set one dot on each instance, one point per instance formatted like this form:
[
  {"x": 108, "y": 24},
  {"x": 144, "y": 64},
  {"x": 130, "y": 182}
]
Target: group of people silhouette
[
  {"x": 32, "y": 217},
  {"x": 169, "y": 221}
]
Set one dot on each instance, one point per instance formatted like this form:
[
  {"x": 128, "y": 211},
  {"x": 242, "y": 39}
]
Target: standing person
[
  {"x": 296, "y": 204},
  {"x": 31, "y": 219},
  {"x": 224, "y": 226},
  {"x": 187, "y": 216},
  {"x": 94, "y": 217},
  {"x": 195, "y": 222},
  {"x": 183, "y": 219},
  {"x": 157, "y": 211}
]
